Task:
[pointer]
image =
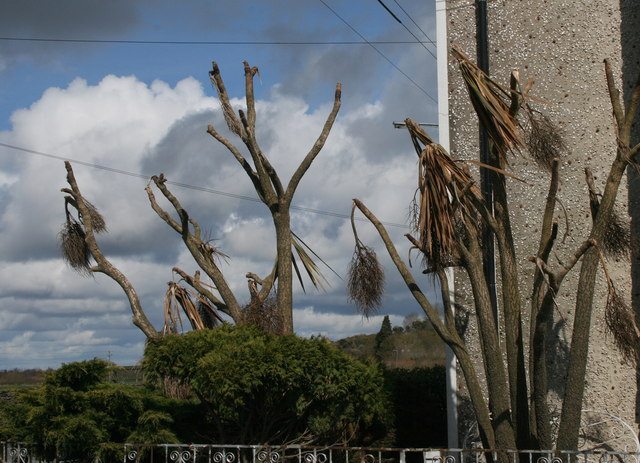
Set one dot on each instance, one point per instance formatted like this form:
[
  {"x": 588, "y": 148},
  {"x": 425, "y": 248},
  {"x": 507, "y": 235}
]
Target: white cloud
[{"x": 309, "y": 322}]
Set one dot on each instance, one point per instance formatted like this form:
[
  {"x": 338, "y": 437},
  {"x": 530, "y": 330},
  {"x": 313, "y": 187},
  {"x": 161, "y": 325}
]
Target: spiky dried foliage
[
  {"x": 621, "y": 323},
  {"x": 446, "y": 195},
  {"x": 491, "y": 102},
  {"x": 198, "y": 311},
  {"x": 207, "y": 248},
  {"x": 543, "y": 139},
  {"x": 74, "y": 247},
  {"x": 264, "y": 314}
]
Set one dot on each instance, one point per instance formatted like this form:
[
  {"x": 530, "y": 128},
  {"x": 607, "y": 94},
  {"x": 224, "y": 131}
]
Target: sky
[{"x": 120, "y": 110}]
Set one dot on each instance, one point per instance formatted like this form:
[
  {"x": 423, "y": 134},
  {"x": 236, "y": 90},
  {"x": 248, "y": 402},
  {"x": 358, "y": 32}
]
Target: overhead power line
[
  {"x": 406, "y": 28},
  {"x": 212, "y": 42},
  {"x": 379, "y": 52},
  {"x": 189, "y": 186},
  {"x": 415, "y": 23}
]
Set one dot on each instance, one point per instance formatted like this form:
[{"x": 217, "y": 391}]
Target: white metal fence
[{"x": 200, "y": 453}]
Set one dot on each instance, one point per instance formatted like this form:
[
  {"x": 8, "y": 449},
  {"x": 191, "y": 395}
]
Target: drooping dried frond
[
  {"x": 616, "y": 241},
  {"x": 97, "y": 221},
  {"x": 491, "y": 102},
  {"x": 313, "y": 272},
  {"x": 366, "y": 280},
  {"x": 621, "y": 323},
  {"x": 179, "y": 299},
  {"x": 366, "y": 275},
  {"x": 99, "y": 225},
  {"x": 446, "y": 195},
  {"x": 74, "y": 247},
  {"x": 264, "y": 314},
  {"x": 620, "y": 319},
  {"x": 544, "y": 139}
]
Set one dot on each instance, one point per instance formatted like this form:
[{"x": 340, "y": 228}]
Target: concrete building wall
[{"x": 561, "y": 44}]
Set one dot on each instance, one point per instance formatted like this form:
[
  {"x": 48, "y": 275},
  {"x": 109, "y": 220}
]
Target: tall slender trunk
[{"x": 284, "y": 297}]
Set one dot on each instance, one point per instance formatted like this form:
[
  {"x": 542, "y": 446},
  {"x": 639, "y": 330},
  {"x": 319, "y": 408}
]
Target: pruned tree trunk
[
  {"x": 515, "y": 414},
  {"x": 272, "y": 192}
]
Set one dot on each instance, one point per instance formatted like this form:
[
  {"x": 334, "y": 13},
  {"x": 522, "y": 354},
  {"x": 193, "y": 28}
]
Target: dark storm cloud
[{"x": 94, "y": 19}]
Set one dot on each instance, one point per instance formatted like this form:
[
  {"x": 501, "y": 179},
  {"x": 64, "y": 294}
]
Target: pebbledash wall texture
[{"x": 561, "y": 44}]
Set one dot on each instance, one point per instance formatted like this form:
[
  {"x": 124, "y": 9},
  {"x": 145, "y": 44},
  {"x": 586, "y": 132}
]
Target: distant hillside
[{"x": 416, "y": 348}]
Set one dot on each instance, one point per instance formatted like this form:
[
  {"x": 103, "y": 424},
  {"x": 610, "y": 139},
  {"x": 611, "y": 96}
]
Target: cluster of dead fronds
[
  {"x": 446, "y": 195},
  {"x": 200, "y": 313},
  {"x": 492, "y": 103},
  {"x": 73, "y": 245}
]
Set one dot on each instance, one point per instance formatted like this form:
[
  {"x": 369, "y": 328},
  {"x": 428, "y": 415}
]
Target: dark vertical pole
[{"x": 486, "y": 175}]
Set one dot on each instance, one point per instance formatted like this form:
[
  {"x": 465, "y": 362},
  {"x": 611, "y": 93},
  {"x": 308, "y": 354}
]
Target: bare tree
[
  {"x": 451, "y": 216},
  {"x": 271, "y": 295}
]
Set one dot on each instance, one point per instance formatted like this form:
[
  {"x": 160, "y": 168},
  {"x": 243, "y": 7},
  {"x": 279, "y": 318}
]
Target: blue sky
[{"x": 144, "y": 108}]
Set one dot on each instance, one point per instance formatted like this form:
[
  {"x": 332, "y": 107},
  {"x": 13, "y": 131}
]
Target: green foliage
[
  {"x": 261, "y": 388},
  {"x": 76, "y": 415}
]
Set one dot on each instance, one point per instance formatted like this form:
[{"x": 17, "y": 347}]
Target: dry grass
[{"x": 366, "y": 280}]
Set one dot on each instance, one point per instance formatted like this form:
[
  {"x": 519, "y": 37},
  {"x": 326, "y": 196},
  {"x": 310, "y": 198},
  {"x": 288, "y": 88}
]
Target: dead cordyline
[
  {"x": 493, "y": 105},
  {"x": 200, "y": 313},
  {"x": 72, "y": 236},
  {"x": 366, "y": 276},
  {"x": 446, "y": 196},
  {"x": 620, "y": 319},
  {"x": 192, "y": 296},
  {"x": 516, "y": 413},
  {"x": 616, "y": 242}
]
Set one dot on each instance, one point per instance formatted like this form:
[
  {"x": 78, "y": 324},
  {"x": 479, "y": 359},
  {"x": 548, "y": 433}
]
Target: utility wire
[
  {"x": 188, "y": 186},
  {"x": 403, "y": 25},
  {"x": 213, "y": 42},
  {"x": 379, "y": 52},
  {"x": 415, "y": 23}
]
